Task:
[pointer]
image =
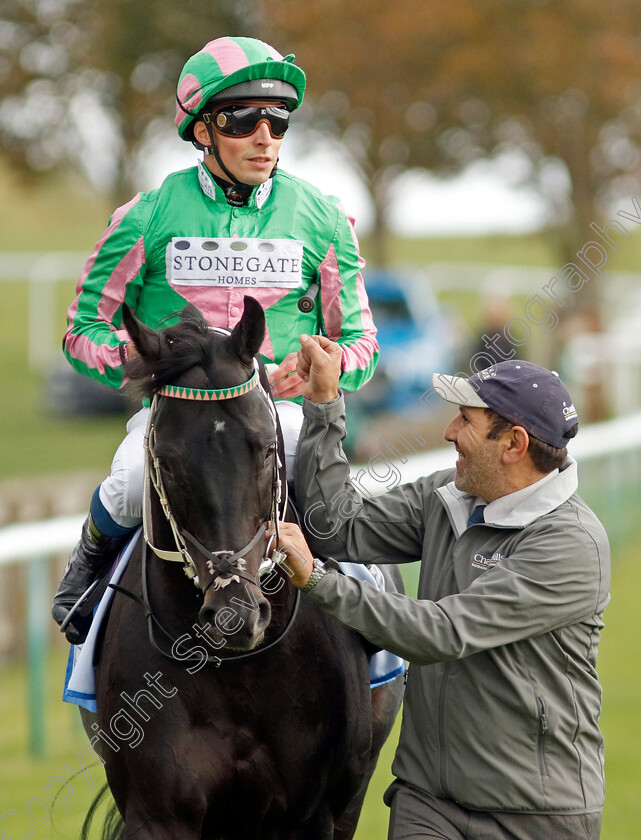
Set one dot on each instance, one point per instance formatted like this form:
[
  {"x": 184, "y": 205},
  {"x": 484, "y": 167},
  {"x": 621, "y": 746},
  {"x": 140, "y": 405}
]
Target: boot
[{"x": 89, "y": 561}]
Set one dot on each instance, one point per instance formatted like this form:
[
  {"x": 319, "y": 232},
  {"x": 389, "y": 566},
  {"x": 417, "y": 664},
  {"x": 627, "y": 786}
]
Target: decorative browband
[{"x": 181, "y": 393}]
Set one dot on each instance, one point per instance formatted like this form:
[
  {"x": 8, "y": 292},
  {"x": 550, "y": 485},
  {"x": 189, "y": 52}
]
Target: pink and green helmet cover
[{"x": 225, "y": 62}]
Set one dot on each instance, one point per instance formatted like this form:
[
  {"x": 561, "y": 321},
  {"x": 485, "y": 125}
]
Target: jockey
[{"x": 232, "y": 225}]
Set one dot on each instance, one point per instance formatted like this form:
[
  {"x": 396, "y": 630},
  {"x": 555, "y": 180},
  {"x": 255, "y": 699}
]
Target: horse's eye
[{"x": 269, "y": 455}]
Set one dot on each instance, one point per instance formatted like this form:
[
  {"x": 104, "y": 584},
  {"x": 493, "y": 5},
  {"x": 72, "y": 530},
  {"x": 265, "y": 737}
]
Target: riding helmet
[{"x": 234, "y": 69}]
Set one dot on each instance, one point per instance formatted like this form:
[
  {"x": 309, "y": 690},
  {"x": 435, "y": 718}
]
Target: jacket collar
[
  {"x": 516, "y": 510},
  {"x": 210, "y": 188}
]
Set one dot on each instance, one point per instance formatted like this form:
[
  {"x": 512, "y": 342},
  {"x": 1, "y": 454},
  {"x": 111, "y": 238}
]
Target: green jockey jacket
[{"x": 184, "y": 243}]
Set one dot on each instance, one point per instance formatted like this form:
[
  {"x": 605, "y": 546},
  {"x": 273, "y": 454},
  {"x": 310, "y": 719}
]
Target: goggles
[{"x": 243, "y": 120}]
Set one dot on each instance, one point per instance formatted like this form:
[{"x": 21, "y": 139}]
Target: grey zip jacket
[{"x": 503, "y": 700}]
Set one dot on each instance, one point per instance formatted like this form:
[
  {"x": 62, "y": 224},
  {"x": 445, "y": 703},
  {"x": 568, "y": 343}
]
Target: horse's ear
[
  {"x": 146, "y": 340},
  {"x": 249, "y": 332}
]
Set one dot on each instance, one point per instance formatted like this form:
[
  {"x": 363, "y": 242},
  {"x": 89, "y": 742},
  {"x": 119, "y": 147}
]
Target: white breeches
[{"x": 121, "y": 491}]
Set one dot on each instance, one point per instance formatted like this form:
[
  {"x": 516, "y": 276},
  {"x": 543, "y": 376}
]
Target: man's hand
[
  {"x": 300, "y": 561},
  {"x": 285, "y": 381},
  {"x": 319, "y": 368}
]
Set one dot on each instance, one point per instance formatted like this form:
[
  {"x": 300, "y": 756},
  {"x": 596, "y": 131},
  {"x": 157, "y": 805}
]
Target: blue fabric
[
  {"x": 79, "y": 679},
  {"x": 477, "y": 515},
  {"x": 385, "y": 668},
  {"x": 81, "y": 698},
  {"x": 103, "y": 521},
  {"x": 383, "y": 665}
]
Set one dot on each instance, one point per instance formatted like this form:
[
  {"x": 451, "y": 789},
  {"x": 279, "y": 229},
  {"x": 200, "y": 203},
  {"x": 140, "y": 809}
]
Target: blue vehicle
[{"x": 416, "y": 339}]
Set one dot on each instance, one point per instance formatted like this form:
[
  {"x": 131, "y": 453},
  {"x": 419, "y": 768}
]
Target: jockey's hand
[
  {"x": 131, "y": 351},
  {"x": 319, "y": 367},
  {"x": 300, "y": 560},
  {"x": 286, "y": 383}
]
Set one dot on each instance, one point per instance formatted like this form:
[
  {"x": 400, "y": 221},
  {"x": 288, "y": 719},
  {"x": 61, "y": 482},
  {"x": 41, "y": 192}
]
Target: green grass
[
  {"x": 23, "y": 778},
  {"x": 50, "y": 214},
  {"x": 620, "y": 674},
  {"x": 35, "y": 441}
]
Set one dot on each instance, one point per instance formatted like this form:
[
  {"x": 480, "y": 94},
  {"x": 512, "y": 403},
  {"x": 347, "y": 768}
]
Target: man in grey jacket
[{"x": 500, "y": 735}]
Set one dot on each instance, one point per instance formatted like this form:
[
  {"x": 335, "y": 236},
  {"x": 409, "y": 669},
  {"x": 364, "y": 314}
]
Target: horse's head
[{"x": 214, "y": 450}]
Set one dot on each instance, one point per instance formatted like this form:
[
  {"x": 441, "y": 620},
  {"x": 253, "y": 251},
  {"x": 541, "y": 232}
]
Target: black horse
[{"x": 230, "y": 709}]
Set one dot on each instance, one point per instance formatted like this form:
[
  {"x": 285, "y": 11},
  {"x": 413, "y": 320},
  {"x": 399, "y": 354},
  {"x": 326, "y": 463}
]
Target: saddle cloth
[{"x": 79, "y": 678}]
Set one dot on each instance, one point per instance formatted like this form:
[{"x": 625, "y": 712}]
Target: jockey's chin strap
[{"x": 226, "y": 565}]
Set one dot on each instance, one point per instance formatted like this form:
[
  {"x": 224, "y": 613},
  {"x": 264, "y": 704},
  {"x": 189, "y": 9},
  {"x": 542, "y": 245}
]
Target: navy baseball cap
[{"x": 525, "y": 394}]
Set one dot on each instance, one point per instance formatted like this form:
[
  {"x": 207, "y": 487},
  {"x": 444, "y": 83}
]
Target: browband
[{"x": 183, "y": 393}]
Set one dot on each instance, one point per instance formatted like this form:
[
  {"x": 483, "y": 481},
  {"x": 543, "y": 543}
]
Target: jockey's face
[{"x": 250, "y": 159}]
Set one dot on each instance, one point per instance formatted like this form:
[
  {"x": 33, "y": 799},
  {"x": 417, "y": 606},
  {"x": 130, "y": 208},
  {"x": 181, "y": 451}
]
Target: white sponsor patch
[
  {"x": 198, "y": 261},
  {"x": 481, "y": 562}
]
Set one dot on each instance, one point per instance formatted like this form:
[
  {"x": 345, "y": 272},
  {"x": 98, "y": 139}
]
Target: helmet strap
[{"x": 212, "y": 149}]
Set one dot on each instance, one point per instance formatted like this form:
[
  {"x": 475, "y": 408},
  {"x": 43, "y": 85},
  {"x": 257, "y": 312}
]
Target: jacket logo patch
[{"x": 481, "y": 562}]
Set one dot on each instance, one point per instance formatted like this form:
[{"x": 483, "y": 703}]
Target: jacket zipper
[
  {"x": 544, "y": 726},
  {"x": 442, "y": 740}
]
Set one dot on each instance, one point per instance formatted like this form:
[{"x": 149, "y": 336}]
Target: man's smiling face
[{"x": 479, "y": 468}]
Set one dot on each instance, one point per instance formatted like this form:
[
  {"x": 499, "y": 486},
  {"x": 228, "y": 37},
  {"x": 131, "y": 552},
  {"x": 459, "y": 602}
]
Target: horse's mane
[{"x": 183, "y": 345}]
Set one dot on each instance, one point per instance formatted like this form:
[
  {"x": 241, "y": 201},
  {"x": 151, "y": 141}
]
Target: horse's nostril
[
  {"x": 242, "y": 630},
  {"x": 262, "y": 618},
  {"x": 207, "y": 615},
  {"x": 256, "y": 622}
]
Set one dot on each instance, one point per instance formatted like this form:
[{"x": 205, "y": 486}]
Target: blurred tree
[
  {"x": 552, "y": 89},
  {"x": 85, "y": 82}
]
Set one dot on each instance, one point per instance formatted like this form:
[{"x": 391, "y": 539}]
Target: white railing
[
  {"x": 42, "y": 272},
  {"x": 25, "y": 540},
  {"x": 598, "y": 442},
  {"x": 609, "y": 457}
]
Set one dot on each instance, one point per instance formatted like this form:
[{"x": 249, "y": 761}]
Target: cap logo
[
  {"x": 569, "y": 411},
  {"x": 488, "y": 373},
  {"x": 267, "y": 84}
]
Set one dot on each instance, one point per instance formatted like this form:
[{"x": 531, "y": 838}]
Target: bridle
[{"x": 224, "y": 565}]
